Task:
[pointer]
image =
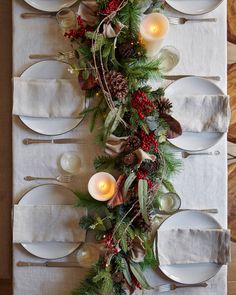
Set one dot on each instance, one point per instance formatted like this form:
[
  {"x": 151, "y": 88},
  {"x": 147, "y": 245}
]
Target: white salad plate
[
  {"x": 49, "y": 69},
  {"x": 190, "y": 273},
  {"x": 194, "y": 7},
  {"x": 50, "y": 5},
  {"x": 49, "y": 194},
  {"x": 194, "y": 141}
]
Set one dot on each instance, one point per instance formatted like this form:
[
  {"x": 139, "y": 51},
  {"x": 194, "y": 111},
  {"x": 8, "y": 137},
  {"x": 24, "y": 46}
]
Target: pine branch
[
  {"x": 103, "y": 163},
  {"x": 86, "y": 201},
  {"x": 130, "y": 17}
]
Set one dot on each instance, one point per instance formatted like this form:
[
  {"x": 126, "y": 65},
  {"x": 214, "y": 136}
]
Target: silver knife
[
  {"x": 48, "y": 264},
  {"x": 28, "y": 141},
  {"x": 38, "y": 14},
  {"x": 176, "y": 77}
]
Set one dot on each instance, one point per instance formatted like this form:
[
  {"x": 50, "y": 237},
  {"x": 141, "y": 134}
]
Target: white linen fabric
[
  {"x": 47, "y": 98},
  {"x": 183, "y": 246},
  {"x": 47, "y": 223},
  {"x": 202, "y": 182},
  {"x": 202, "y": 113}
]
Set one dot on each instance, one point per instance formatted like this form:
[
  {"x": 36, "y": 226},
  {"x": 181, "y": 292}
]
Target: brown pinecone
[
  {"x": 117, "y": 85},
  {"x": 139, "y": 221},
  {"x": 132, "y": 144},
  {"x": 163, "y": 105},
  {"x": 118, "y": 277},
  {"x": 126, "y": 50},
  {"x": 150, "y": 166},
  {"x": 130, "y": 159}
]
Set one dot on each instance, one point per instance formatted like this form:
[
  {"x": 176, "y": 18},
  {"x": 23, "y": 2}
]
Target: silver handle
[
  {"x": 201, "y": 19},
  {"x": 176, "y": 77},
  {"x": 30, "y": 178},
  {"x": 216, "y": 153},
  {"x": 37, "y": 14},
  {"x": 39, "y": 56},
  {"x": 214, "y": 211},
  {"x": 193, "y": 285},
  {"x": 30, "y": 141}
]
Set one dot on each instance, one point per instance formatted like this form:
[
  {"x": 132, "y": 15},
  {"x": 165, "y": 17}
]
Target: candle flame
[
  {"x": 103, "y": 187},
  {"x": 154, "y": 29}
]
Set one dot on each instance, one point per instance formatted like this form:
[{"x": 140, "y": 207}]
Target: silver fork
[
  {"x": 58, "y": 56},
  {"x": 171, "y": 287},
  {"x": 61, "y": 178},
  {"x": 185, "y": 154},
  {"x": 183, "y": 20}
]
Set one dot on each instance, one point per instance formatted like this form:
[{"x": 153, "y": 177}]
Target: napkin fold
[
  {"x": 47, "y": 98},
  {"x": 184, "y": 246},
  {"x": 202, "y": 113},
  {"x": 47, "y": 223}
]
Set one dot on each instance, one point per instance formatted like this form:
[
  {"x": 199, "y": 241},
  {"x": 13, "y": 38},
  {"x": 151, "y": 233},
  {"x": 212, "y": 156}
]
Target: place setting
[{"x": 127, "y": 216}]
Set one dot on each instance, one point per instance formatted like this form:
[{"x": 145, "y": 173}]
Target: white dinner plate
[
  {"x": 50, "y": 5},
  {"x": 194, "y": 7},
  {"x": 194, "y": 141},
  {"x": 49, "y": 194},
  {"x": 190, "y": 273},
  {"x": 49, "y": 69}
]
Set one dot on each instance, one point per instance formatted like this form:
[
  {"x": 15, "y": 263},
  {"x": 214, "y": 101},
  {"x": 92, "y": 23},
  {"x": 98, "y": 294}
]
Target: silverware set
[
  {"x": 60, "y": 178},
  {"x": 28, "y": 141},
  {"x": 183, "y": 20}
]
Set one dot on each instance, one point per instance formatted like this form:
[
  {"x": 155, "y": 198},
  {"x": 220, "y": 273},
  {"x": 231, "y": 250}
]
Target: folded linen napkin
[
  {"x": 184, "y": 246},
  {"x": 47, "y": 223},
  {"x": 46, "y": 98},
  {"x": 198, "y": 113}
]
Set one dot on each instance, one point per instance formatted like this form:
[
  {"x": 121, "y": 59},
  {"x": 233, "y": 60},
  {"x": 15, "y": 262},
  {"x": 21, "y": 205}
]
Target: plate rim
[
  {"x": 56, "y": 134},
  {"x": 179, "y": 212},
  {"x": 222, "y": 134},
  {"x": 47, "y": 10},
  {"x": 200, "y": 13},
  {"x": 23, "y": 195}
]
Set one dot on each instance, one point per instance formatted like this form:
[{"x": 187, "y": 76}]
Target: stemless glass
[
  {"x": 169, "y": 56},
  {"x": 169, "y": 203},
  {"x": 66, "y": 19},
  {"x": 87, "y": 255}
]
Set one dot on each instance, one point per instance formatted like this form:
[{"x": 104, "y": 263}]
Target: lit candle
[
  {"x": 102, "y": 186},
  {"x": 153, "y": 30}
]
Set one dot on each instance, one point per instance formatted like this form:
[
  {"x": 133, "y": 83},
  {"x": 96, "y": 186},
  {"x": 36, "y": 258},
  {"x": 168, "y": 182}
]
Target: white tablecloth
[{"x": 201, "y": 184}]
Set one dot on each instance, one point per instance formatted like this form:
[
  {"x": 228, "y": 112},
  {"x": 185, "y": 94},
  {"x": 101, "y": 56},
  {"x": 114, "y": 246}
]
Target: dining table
[{"x": 201, "y": 183}]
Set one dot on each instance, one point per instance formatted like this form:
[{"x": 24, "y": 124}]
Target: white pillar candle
[
  {"x": 153, "y": 29},
  {"x": 102, "y": 186}
]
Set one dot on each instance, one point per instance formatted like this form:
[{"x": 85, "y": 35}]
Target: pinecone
[
  {"x": 118, "y": 277},
  {"x": 139, "y": 221},
  {"x": 163, "y": 105},
  {"x": 126, "y": 50},
  {"x": 130, "y": 159},
  {"x": 150, "y": 166},
  {"x": 117, "y": 85},
  {"x": 132, "y": 144}
]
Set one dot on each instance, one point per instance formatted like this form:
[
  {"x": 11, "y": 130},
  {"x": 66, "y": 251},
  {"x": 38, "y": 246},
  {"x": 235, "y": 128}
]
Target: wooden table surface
[{"x": 6, "y": 162}]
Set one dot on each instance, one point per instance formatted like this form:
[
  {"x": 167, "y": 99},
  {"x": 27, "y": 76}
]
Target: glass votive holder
[
  {"x": 70, "y": 162},
  {"x": 169, "y": 57},
  {"x": 66, "y": 19},
  {"x": 169, "y": 203},
  {"x": 87, "y": 255}
]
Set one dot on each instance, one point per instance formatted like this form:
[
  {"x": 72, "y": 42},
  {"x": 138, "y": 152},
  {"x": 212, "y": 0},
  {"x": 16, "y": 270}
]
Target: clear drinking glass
[
  {"x": 87, "y": 255},
  {"x": 169, "y": 203},
  {"x": 66, "y": 19},
  {"x": 169, "y": 56}
]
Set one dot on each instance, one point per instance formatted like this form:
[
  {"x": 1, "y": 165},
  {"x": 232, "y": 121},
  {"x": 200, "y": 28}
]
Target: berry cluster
[
  {"x": 142, "y": 104},
  {"x": 110, "y": 245},
  {"x": 112, "y": 6},
  {"x": 148, "y": 141},
  {"x": 143, "y": 174},
  {"x": 76, "y": 33}
]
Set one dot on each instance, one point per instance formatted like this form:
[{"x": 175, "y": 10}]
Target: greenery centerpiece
[{"x": 113, "y": 69}]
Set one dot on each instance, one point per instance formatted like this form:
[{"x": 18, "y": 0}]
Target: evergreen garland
[{"x": 134, "y": 136}]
